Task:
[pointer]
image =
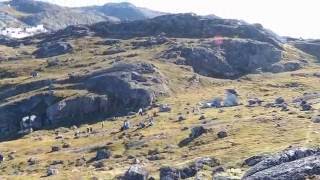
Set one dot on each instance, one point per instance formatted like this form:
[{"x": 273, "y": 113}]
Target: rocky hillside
[
  {"x": 21, "y": 13},
  {"x": 176, "y": 96}
]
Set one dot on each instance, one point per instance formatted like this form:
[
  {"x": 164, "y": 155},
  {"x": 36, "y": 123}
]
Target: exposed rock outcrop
[
  {"x": 291, "y": 164},
  {"x": 311, "y": 47},
  {"x": 232, "y": 59},
  {"x": 131, "y": 85},
  {"x": 113, "y": 91},
  {"x": 170, "y": 173},
  {"x": 187, "y": 26},
  {"x": 53, "y": 49},
  {"x": 77, "y": 107}
]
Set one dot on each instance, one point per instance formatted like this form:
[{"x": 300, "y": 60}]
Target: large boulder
[
  {"x": 130, "y": 86},
  {"x": 52, "y": 49},
  {"x": 296, "y": 163},
  {"x": 103, "y": 154}
]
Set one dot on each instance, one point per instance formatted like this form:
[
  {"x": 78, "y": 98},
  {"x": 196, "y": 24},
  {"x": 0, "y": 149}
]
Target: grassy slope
[{"x": 251, "y": 130}]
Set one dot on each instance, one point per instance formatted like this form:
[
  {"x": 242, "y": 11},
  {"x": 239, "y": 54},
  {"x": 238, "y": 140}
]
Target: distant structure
[{"x": 19, "y": 33}]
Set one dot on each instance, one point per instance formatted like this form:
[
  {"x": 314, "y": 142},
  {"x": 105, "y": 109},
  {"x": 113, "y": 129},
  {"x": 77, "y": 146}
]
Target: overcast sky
[{"x": 298, "y": 18}]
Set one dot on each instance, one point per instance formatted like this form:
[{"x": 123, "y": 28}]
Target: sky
[{"x": 296, "y": 18}]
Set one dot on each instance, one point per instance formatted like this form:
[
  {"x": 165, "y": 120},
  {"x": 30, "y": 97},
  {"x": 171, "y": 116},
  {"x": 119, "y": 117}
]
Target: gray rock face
[
  {"x": 77, "y": 107},
  {"x": 136, "y": 172},
  {"x": 311, "y": 47},
  {"x": 290, "y": 164},
  {"x": 234, "y": 57},
  {"x": 284, "y": 67},
  {"x": 53, "y": 49}
]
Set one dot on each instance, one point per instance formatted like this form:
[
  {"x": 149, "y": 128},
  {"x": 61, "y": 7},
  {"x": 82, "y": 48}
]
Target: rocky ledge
[{"x": 298, "y": 163}]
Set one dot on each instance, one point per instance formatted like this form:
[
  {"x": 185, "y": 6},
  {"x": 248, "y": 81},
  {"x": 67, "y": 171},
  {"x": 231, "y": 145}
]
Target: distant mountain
[
  {"x": 123, "y": 11},
  {"x": 22, "y": 13}
]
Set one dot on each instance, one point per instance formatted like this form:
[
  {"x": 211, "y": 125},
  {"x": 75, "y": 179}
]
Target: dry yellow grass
[{"x": 251, "y": 130}]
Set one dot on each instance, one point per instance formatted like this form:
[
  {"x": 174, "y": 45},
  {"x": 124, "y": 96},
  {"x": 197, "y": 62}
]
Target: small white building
[{"x": 19, "y": 33}]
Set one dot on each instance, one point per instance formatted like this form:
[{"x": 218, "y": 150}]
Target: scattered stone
[
  {"x": 51, "y": 171},
  {"x": 254, "y": 102},
  {"x": 316, "y": 119},
  {"x": 197, "y": 131},
  {"x": 117, "y": 156},
  {"x": 136, "y": 172},
  {"x": 56, "y": 162},
  {"x": 11, "y": 157},
  {"x": 202, "y": 117},
  {"x": 222, "y": 134},
  {"x": 59, "y": 137},
  {"x": 206, "y": 161},
  {"x": 164, "y": 108},
  {"x": 103, "y": 154},
  {"x": 153, "y": 152},
  {"x": 99, "y": 164},
  {"x": 305, "y": 106},
  {"x": 55, "y": 148},
  {"x": 66, "y": 145},
  {"x": 284, "y": 107},
  {"x": 182, "y": 118},
  {"x": 80, "y": 162},
  {"x": 32, "y": 161},
  {"x": 155, "y": 157},
  {"x": 279, "y": 100},
  {"x": 184, "y": 128}
]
